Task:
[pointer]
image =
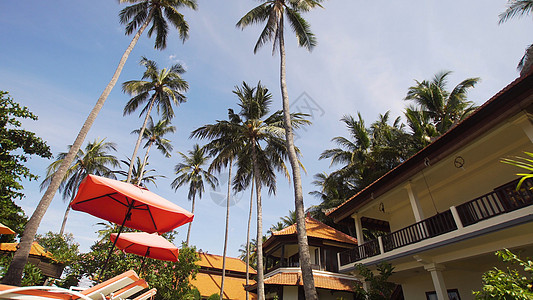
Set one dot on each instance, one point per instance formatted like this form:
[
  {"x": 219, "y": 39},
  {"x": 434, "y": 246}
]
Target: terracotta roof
[
  {"x": 509, "y": 101},
  {"x": 209, "y": 284},
  {"x": 215, "y": 262},
  {"x": 323, "y": 282},
  {"x": 36, "y": 249},
  {"x": 320, "y": 230}
]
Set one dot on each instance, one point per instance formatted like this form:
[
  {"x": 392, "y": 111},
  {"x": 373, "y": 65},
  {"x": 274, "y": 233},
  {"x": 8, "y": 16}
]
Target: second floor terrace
[{"x": 503, "y": 207}]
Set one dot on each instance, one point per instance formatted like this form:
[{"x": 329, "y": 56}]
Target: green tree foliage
[
  {"x": 379, "y": 288},
  {"x": 509, "y": 283},
  {"x": 31, "y": 275},
  {"x": 16, "y": 147},
  {"x": 365, "y": 156},
  {"x": 64, "y": 248}
]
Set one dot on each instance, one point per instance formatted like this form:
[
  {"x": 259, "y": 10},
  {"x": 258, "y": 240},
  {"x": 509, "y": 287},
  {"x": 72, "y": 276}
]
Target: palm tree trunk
[
  {"x": 145, "y": 161},
  {"x": 139, "y": 139},
  {"x": 303, "y": 246},
  {"x": 259, "y": 242},
  {"x": 226, "y": 234},
  {"x": 64, "y": 223},
  {"x": 14, "y": 273},
  {"x": 248, "y": 239},
  {"x": 190, "y": 223}
]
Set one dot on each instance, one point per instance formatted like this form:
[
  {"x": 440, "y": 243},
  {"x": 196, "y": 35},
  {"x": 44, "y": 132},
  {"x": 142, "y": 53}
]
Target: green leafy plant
[
  {"x": 509, "y": 283},
  {"x": 521, "y": 162},
  {"x": 379, "y": 288}
]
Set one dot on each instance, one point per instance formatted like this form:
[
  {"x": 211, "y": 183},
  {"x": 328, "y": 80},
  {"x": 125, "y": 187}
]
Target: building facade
[{"x": 452, "y": 205}]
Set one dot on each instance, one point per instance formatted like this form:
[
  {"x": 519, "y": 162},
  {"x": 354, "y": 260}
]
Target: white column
[
  {"x": 415, "y": 204},
  {"x": 381, "y": 247},
  {"x": 456, "y": 217},
  {"x": 358, "y": 229},
  {"x": 438, "y": 280}
]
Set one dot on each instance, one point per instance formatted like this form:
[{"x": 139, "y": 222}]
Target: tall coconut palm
[
  {"x": 154, "y": 135},
  {"x": 273, "y": 13},
  {"x": 520, "y": 8},
  {"x": 94, "y": 159},
  {"x": 191, "y": 172},
  {"x": 137, "y": 16},
  {"x": 255, "y": 138},
  {"x": 444, "y": 108},
  {"x": 166, "y": 86}
]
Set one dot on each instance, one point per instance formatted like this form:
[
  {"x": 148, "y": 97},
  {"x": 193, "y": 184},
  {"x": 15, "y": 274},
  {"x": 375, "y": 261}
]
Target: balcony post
[
  {"x": 456, "y": 217},
  {"x": 438, "y": 280},
  {"x": 415, "y": 204},
  {"x": 358, "y": 229},
  {"x": 380, "y": 242}
]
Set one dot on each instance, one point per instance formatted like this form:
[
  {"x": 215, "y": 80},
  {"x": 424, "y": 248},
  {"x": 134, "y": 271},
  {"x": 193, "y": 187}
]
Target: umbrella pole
[
  {"x": 144, "y": 258},
  {"x": 128, "y": 214}
]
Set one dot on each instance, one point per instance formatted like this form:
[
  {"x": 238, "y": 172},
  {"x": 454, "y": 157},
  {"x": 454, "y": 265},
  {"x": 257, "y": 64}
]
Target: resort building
[
  {"x": 283, "y": 278},
  {"x": 209, "y": 277},
  {"x": 452, "y": 205},
  {"x": 38, "y": 257}
]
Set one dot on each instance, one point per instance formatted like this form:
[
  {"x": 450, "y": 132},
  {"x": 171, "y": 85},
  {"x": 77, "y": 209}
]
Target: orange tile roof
[
  {"x": 320, "y": 230},
  {"x": 323, "y": 282},
  {"x": 215, "y": 261},
  {"x": 36, "y": 249},
  {"x": 209, "y": 284}
]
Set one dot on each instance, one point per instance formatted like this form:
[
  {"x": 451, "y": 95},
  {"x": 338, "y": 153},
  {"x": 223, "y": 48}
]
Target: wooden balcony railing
[
  {"x": 428, "y": 228},
  {"x": 502, "y": 200},
  {"x": 499, "y": 201},
  {"x": 368, "y": 249}
]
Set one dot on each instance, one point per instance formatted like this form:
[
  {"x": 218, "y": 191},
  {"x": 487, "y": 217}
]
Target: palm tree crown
[
  {"x": 94, "y": 159},
  {"x": 156, "y": 12},
  {"x": 444, "y": 108},
  {"x": 191, "y": 171},
  {"x": 166, "y": 85},
  {"x": 273, "y": 13}
]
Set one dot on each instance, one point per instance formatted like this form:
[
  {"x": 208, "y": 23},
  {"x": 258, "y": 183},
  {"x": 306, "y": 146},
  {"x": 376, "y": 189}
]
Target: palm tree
[
  {"x": 141, "y": 177},
  {"x": 254, "y": 138},
  {"x": 93, "y": 160},
  {"x": 367, "y": 154},
  {"x": 191, "y": 172},
  {"x": 273, "y": 12},
  {"x": 167, "y": 87},
  {"x": 154, "y": 134},
  {"x": 520, "y": 8},
  {"x": 139, "y": 15},
  {"x": 445, "y": 109},
  {"x": 289, "y": 219}
]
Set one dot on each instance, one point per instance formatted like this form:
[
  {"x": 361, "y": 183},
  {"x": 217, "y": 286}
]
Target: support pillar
[
  {"x": 438, "y": 280},
  {"x": 358, "y": 229},
  {"x": 456, "y": 217},
  {"x": 415, "y": 204}
]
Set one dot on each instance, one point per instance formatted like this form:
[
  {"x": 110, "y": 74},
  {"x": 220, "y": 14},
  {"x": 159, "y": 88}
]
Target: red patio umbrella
[
  {"x": 147, "y": 245},
  {"x": 129, "y": 205}
]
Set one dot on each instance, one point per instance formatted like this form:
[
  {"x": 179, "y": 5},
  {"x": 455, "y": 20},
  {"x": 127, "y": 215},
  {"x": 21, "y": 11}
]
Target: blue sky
[{"x": 56, "y": 58}]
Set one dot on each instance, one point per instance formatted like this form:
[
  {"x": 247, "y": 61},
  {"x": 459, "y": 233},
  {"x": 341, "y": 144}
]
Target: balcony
[{"x": 500, "y": 201}]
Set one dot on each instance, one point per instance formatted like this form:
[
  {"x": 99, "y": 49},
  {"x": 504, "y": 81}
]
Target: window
[{"x": 453, "y": 294}]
